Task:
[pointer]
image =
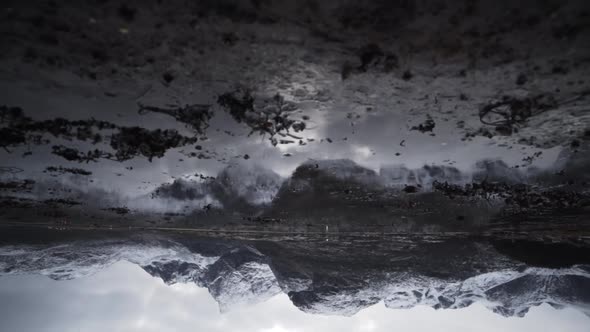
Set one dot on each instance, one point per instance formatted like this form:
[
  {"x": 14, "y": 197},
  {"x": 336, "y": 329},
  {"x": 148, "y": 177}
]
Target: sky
[{"x": 123, "y": 297}]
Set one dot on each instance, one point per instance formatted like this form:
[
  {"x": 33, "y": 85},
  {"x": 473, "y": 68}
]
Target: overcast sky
[{"x": 125, "y": 298}]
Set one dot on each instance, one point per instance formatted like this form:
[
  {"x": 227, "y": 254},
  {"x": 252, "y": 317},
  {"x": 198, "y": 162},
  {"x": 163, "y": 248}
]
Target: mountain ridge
[{"x": 241, "y": 274}]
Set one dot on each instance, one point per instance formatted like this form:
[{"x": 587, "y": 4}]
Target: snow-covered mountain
[
  {"x": 239, "y": 277},
  {"x": 240, "y": 273},
  {"x": 506, "y": 292}
]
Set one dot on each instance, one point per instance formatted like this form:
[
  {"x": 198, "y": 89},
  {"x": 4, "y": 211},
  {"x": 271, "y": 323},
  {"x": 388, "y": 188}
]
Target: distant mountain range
[{"x": 242, "y": 186}]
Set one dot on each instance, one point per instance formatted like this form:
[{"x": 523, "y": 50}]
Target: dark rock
[
  {"x": 71, "y": 170},
  {"x": 229, "y": 38},
  {"x": 127, "y": 13},
  {"x": 521, "y": 79},
  {"x": 559, "y": 70},
  {"x": 407, "y": 75},
  {"x": 118, "y": 210},
  {"x": 369, "y": 54},
  {"x": 391, "y": 63},
  {"x": 427, "y": 126},
  {"x": 168, "y": 77}
]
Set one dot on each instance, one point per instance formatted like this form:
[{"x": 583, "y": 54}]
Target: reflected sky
[
  {"x": 357, "y": 90},
  {"x": 125, "y": 298},
  {"x": 372, "y": 142}
]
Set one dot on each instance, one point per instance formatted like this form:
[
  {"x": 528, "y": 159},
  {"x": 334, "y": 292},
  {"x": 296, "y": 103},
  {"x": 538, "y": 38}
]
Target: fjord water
[{"x": 75, "y": 280}]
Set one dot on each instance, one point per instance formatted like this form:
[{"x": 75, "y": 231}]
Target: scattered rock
[
  {"x": 134, "y": 141},
  {"x": 407, "y": 75},
  {"x": 63, "y": 170},
  {"x": 195, "y": 116},
  {"x": 559, "y": 70},
  {"x": 118, "y": 210},
  {"x": 72, "y": 154},
  {"x": 168, "y": 77},
  {"x": 229, "y": 38},
  {"x": 523, "y": 196},
  {"x": 62, "y": 201},
  {"x": 17, "y": 185},
  {"x": 427, "y": 126}
]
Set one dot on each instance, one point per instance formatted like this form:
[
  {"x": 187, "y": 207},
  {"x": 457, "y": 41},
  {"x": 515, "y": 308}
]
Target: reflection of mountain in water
[
  {"x": 339, "y": 194},
  {"x": 347, "y": 196},
  {"x": 338, "y": 277}
]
